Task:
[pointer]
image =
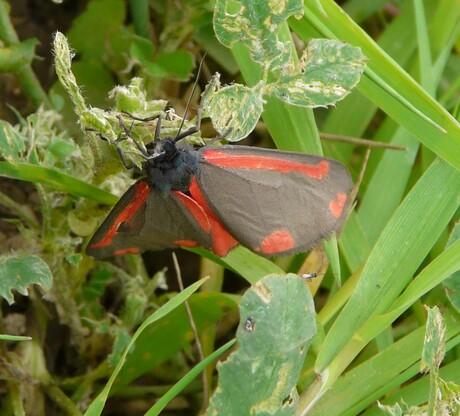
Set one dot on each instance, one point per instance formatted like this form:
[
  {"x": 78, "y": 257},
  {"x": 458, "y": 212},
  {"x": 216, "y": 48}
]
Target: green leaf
[
  {"x": 62, "y": 148},
  {"x": 92, "y": 29},
  {"x": 234, "y": 109},
  {"x": 279, "y": 116},
  {"x": 256, "y": 25},
  {"x": 141, "y": 49},
  {"x": 365, "y": 380},
  {"x": 11, "y": 142},
  {"x": 178, "y": 63},
  {"x": 15, "y": 57},
  {"x": 57, "y": 180},
  {"x": 276, "y": 327},
  {"x": 330, "y": 70},
  {"x": 132, "y": 98},
  {"x": 18, "y": 273}
]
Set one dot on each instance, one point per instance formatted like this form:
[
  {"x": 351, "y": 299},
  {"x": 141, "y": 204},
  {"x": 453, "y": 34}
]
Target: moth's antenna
[{"x": 191, "y": 95}]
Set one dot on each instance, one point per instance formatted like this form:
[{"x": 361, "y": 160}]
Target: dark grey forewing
[
  {"x": 157, "y": 224},
  {"x": 254, "y": 203}
]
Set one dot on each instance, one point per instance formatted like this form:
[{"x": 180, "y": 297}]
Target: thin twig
[
  {"x": 359, "y": 141},
  {"x": 354, "y": 192}
]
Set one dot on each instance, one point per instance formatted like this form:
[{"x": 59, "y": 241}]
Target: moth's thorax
[{"x": 172, "y": 168}]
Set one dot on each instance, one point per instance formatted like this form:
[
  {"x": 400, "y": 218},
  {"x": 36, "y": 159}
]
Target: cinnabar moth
[{"x": 272, "y": 202}]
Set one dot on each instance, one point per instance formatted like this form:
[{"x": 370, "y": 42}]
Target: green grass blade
[
  {"x": 353, "y": 242},
  {"x": 425, "y": 61},
  {"x": 57, "y": 180},
  {"x": 243, "y": 262},
  {"x": 403, "y": 244},
  {"x": 378, "y": 375},
  {"x": 186, "y": 380},
  {"x": 96, "y": 407},
  {"x": 438, "y": 270},
  {"x": 14, "y": 338},
  {"x": 394, "y": 168}
]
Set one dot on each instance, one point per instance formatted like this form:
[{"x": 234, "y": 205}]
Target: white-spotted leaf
[
  {"x": 234, "y": 110},
  {"x": 256, "y": 24},
  {"x": 330, "y": 69}
]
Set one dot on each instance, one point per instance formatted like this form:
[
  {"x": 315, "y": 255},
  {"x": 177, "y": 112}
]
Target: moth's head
[{"x": 161, "y": 150}]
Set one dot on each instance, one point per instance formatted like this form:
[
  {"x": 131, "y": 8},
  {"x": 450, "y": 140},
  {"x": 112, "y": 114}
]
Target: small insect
[
  {"x": 309, "y": 276},
  {"x": 272, "y": 202},
  {"x": 249, "y": 325}
]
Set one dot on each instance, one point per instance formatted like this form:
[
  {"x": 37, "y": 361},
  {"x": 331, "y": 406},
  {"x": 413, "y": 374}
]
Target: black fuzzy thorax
[{"x": 171, "y": 167}]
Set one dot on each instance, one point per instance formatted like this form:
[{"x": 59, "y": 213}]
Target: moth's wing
[
  {"x": 274, "y": 202},
  {"x": 147, "y": 219}
]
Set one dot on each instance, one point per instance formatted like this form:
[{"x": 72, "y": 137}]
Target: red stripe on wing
[
  {"x": 142, "y": 191},
  {"x": 186, "y": 243},
  {"x": 227, "y": 160},
  {"x": 195, "y": 208},
  {"x": 131, "y": 250},
  {"x": 222, "y": 241}
]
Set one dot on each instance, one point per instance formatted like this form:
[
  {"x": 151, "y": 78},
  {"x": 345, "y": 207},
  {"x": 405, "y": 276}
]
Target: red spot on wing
[
  {"x": 336, "y": 206},
  {"x": 278, "y": 241},
  {"x": 227, "y": 160},
  {"x": 186, "y": 243},
  {"x": 131, "y": 250},
  {"x": 222, "y": 241},
  {"x": 140, "y": 196}
]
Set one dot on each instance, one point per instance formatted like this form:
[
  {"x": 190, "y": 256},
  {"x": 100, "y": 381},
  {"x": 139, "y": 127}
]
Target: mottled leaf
[
  {"x": 234, "y": 109},
  {"x": 255, "y": 24},
  {"x": 277, "y": 323},
  {"x": 11, "y": 142},
  {"x": 435, "y": 341},
  {"x": 330, "y": 69}
]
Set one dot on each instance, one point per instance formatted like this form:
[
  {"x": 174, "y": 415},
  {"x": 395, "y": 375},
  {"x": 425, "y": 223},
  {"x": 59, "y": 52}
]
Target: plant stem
[
  {"x": 16, "y": 208},
  {"x": 61, "y": 400},
  {"x": 141, "y": 17},
  {"x": 26, "y": 76}
]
